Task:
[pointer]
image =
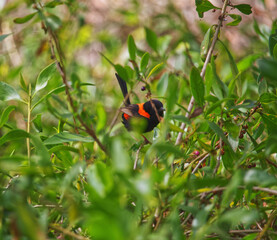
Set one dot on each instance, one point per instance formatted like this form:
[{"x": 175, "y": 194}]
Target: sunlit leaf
[
  {"x": 44, "y": 76},
  {"x": 154, "y": 69},
  {"x": 7, "y": 92}
]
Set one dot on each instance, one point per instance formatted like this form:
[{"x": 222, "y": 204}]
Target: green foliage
[{"x": 70, "y": 170}]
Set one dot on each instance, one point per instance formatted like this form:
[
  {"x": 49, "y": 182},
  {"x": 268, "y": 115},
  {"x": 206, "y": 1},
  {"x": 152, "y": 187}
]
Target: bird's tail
[{"x": 124, "y": 90}]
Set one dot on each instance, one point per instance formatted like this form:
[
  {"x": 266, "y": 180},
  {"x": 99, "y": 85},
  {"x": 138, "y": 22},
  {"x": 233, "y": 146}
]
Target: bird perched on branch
[{"x": 141, "y": 117}]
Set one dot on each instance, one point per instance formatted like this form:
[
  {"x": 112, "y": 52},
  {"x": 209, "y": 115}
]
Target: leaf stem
[{"x": 29, "y": 109}]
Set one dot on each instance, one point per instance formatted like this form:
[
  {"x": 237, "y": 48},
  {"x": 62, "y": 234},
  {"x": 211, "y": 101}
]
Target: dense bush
[{"x": 70, "y": 170}]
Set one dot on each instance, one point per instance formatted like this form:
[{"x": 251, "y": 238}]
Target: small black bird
[{"x": 139, "y": 110}]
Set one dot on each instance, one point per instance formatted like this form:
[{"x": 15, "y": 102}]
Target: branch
[
  {"x": 62, "y": 72},
  {"x": 200, "y": 162},
  {"x": 269, "y": 221},
  {"x": 67, "y": 232},
  {"x": 220, "y": 189},
  {"x": 203, "y": 71}
]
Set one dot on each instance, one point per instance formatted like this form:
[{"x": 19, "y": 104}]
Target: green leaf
[
  {"x": 154, "y": 69},
  {"x": 205, "y": 44},
  {"x": 42, "y": 152},
  {"x": 216, "y": 105},
  {"x": 166, "y": 147},
  {"x": 204, "y": 6},
  {"x": 7, "y": 92},
  {"x": 275, "y": 51},
  {"x": 163, "y": 84},
  {"x": 233, "y": 65},
  {"x": 53, "y": 4},
  {"x": 53, "y": 21},
  {"x": 54, "y": 91},
  {"x": 220, "y": 133},
  {"x": 197, "y": 86},
  {"x": 3, "y": 36},
  {"x": 232, "y": 84},
  {"x": 244, "y": 8},
  {"x": 175, "y": 128},
  {"x": 231, "y": 189},
  {"x": 37, "y": 122},
  {"x": 151, "y": 39},
  {"x": 258, "y": 30},
  {"x": 100, "y": 179},
  {"x": 247, "y": 62},
  {"x": 219, "y": 87},
  {"x": 267, "y": 98},
  {"x": 14, "y": 135},
  {"x": 180, "y": 118},
  {"x": 272, "y": 42},
  {"x": 172, "y": 93},
  {"x": 122, "y": 72},
  {"x": 5, "y": 115},
  {"x": 44, "y": 76},
  {"x": 262, "y": 85},
  {"x": 238, "y": 216},
  {"x": 236, "y": 21},
  {"x": 259, "y": 177},
  {"x": 270, "y": 121},
  {"x": 268, "y": 68},
  {"x": 59, "y": 148},
  {"x": 235, "y": 72},
  {"x": 65, "y": 137},
  {"x": 209, "y": 79},
  {"x": 132, "y": 47},
  {"x": 271, "y": 146},
  {"x": 121, "y": 160},
  {"x": 22, "y": 83},
  {"x": 12, "y": 163},
  {"x": 101, "y": 117},
  {"x": 24, "y": 19},
  {"x": 144, "y": 61}
]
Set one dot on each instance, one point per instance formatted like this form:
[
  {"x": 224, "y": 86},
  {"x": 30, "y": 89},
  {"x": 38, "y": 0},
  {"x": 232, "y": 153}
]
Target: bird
[{"x": 133, "y": 112}]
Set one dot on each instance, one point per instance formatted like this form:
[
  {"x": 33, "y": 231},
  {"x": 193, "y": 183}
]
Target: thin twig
[
  {"x": 271, "y": 163},
  {"x": 200, "y": 162},
  {"x": 220, "y": 189},
  {"x": 67, "y": 232},
  {"x": 137, "y": 155},
  {"x": 203, "y": 71},
  {"x": 269, "y": 221},
  {"x": 62, "y": 72}
]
